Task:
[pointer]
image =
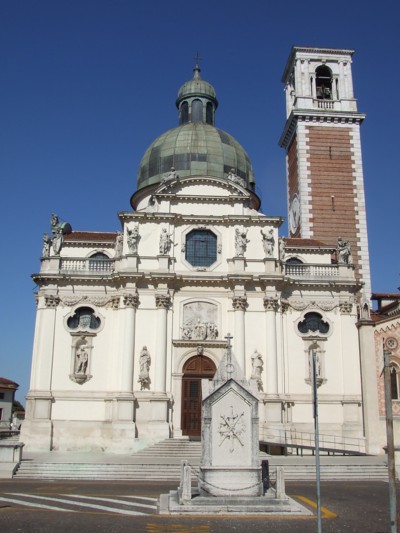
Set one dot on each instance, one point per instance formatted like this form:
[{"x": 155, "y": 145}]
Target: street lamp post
[
  {"x": 390, "y": 441},
  {"x": 316, "y": 436}
]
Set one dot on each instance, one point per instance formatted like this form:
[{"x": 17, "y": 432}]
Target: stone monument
[
  {"x": 230, "y": 462},
  {"x": 230, "y": 475}
]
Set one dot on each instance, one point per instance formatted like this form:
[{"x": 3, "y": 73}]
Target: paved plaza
[{"x": 119, "y": 507}]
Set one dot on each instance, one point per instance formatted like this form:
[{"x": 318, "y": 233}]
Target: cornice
[
  {"x": 192, "y": 343},
  {"x": 316, "y": 116},
  {"x": 209, "y": 220},
  {"x": 310, "y": 50}
]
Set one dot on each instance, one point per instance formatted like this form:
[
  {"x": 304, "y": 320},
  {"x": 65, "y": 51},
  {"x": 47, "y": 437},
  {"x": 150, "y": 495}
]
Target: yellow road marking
[{"x": 326, "y": 512}]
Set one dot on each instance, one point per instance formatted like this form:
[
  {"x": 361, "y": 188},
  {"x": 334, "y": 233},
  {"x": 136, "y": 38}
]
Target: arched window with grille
[{"x": 394, "y": 381}]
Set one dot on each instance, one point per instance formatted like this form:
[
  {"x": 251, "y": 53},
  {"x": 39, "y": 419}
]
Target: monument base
[
  {"x": 230, "y": 481},
  {"x": 232, "y": 505}
]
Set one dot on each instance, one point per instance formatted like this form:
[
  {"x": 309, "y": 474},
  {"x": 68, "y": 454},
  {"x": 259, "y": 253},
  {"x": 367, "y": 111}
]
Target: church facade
[{"x": 129, "y": 323}]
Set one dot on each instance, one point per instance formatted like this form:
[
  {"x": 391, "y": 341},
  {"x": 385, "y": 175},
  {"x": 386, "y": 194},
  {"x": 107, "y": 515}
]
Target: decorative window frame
[
  {"x": 98, "y": 251},
  {"x": 294, "y": 256},
  {"x": 394, "y": 363},
  {"x": 184, "y": 235},
  {"x": 79, "y": 329},
  {"x": 313, "y": 334}
]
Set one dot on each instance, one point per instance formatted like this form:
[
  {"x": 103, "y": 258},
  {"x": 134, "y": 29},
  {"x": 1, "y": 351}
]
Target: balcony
[
  {"x": 318, "y": 271},
  {"x": 86, "y": 266}
]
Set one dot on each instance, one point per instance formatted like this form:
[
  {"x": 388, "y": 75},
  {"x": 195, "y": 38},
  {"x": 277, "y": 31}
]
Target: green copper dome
[
  {"x": 196, "y": 147},
  {"x": 197, "y": 87}
]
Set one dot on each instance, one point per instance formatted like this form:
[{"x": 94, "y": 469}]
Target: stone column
[
  {"x": 131, "y": 302},
  {"x": 271, "y": 307},
  {"x": 239, "y": 305},
  {"x": 37, "y": 427},
  {"x": 307, "y": 88},
  {"x": 44, "y": 344},
  {"x": 342, "y": 82},
  {"x": 163, "y": 302},
  {"x": 374, "y": 432}
]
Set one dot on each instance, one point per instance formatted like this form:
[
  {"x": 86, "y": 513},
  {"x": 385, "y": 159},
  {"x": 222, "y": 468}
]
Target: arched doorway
[{"x": 194, "y": 370}]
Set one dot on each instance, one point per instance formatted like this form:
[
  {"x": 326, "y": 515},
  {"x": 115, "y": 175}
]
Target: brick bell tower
[{"x": 325, "y": 181}]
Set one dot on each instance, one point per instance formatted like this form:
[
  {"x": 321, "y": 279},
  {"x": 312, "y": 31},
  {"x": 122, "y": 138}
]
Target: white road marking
[
  {"x": 31, "y": 504},
  {"x": 111, "y": 500},
  {"x": 138, "y": 498},
  {"x": 81, "y": 504}
]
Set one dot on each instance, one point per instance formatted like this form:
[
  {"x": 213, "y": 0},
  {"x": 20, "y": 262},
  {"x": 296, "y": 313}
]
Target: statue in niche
[
  {"x": 57, "y": 242},
  {"x": 344, "y": 251},
  {"x": 268, "y": 242},
  {"x": 119, "y": 241},
  {"x": 318, "y": 367},
  {"x": 241, "y": 241},
  {"x": 281, "y": 248},
  {"x": 144, "y": 365},
  {"x": 46, "y": 245},
  {"x": 165, "y": 241},
  {"x": 133, "y": 239},
  {"x": 81, "y": 360},
  {"x": 257, "y": 368}
]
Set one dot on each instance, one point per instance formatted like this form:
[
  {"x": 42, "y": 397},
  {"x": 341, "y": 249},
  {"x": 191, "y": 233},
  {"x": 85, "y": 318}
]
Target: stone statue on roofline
[
  {"x": 56, "y": 224},
  {"x": 133, "y": 239},
  {"x": 268, "y": 241},
  {"x": 344, "y": 251}
]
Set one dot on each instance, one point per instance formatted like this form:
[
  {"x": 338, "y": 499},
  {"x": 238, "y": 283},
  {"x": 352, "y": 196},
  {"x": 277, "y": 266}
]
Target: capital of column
[
  {"x": 271, "y": 304},
  {"x": 345, "y": 308},
  {"x": 163, "y": 301},
  {"x": 115, "y": 302},
  {"x": 51, "y": 301},
  {"x": 131, "y": 300},
  {"x": 239, "y": 303}
]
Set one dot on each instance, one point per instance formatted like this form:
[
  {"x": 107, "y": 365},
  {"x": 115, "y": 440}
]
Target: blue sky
[{"x": 87, "y": 85}]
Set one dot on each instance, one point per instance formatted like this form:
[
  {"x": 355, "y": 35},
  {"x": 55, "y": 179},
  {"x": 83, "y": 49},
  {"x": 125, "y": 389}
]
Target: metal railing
[{"x": 299, "y": 440}]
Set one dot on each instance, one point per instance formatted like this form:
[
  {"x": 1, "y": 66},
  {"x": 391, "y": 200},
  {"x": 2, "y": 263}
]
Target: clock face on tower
[{"x": 294, "y": 214}]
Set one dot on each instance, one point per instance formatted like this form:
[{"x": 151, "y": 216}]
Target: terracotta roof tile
[
  {"x": 8, "y": 384},
  {"x": 91, "y": 236},
  {"x": 299, "y": 243}
]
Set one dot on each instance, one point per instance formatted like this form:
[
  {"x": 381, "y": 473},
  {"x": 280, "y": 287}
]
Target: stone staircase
[{"x": 162, "y": 462}]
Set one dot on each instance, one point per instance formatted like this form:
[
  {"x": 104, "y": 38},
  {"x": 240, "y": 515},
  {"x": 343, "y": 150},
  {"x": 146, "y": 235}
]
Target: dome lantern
[{"x": 197, "y": 100}]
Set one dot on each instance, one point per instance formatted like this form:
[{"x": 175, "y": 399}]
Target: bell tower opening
[
  {"x": 195, "y": 369},
  {"x": 323, "y": 83}
]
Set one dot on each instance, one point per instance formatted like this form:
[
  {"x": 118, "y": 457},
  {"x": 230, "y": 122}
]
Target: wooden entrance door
[{"x": 195, "y": 369}]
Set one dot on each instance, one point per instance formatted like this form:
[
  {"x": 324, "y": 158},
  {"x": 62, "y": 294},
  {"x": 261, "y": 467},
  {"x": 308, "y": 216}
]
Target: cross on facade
[
  {"x": 228, "y": 338},
  {"x": 229, "y": 365}
]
